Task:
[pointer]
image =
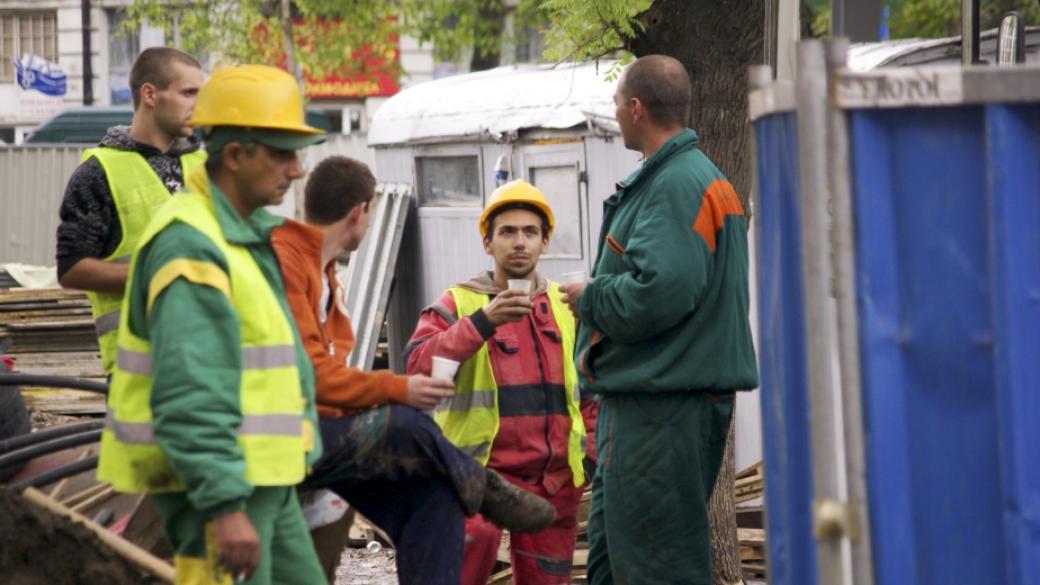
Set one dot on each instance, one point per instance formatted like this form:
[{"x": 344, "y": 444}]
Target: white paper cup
[
  {"x": 444, "y": 368},
  {"x": 576, "y": 277},
  {"x": 521, "y": 284}
]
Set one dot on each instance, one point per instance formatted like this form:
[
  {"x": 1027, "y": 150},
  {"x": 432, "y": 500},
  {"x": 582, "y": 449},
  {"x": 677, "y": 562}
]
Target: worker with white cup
[{"x": 516, "y": 406}]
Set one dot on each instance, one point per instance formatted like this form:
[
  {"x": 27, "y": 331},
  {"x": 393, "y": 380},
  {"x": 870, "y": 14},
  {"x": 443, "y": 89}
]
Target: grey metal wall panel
[
  {"x": 608, "y": 162},
  {"x": 32, "y": 182},
  {"x": 33, "y": 179}
]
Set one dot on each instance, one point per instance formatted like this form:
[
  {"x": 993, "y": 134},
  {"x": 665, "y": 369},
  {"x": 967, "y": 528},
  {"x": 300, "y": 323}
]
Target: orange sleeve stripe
[
  {"x": 718, "y": 202},
  {"x": 615, "y": 245}
]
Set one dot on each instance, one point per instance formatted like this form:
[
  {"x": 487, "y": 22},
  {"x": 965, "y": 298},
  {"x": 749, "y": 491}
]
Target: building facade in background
[{"x": 47, "y": 36}]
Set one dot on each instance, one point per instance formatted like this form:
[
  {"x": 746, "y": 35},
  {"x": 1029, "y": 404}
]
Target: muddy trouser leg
[
  {"x": 659, "y": 457},
  {"x": 394, "y": 466},
  {"x": 286, "y": 554},
  {"x": 395, "y": 442}
]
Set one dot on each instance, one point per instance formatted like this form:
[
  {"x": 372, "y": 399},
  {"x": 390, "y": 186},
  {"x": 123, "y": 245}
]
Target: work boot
[{"x": 513, "y": 508}]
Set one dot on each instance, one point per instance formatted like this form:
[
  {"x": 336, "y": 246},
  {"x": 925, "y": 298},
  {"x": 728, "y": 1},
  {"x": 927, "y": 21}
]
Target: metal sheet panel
[
  {"x": 946, "y": 211},
  {"x": 371, "y": 270},
  {"x": 782, "y": 359},
  {"x": 1013, "y": 136},
  {"x": 32, "y": 183}
]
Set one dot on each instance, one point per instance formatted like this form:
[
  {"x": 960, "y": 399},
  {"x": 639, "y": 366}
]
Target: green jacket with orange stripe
[{"x": 667, "y": 308}]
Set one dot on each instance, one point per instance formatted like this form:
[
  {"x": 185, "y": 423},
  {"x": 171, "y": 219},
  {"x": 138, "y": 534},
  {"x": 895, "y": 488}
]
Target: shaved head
[{"x": 662, "y": 85}]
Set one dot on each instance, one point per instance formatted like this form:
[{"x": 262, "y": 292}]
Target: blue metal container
[
  {"x": 783, "y": 387},
  {"x": 947, "y": 214},
  {"x": 945, "y": 188}
]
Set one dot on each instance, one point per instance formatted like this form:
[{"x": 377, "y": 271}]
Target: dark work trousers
[
  {"x": 393, "y": 464},
  {"x": 659, "y": 455}
]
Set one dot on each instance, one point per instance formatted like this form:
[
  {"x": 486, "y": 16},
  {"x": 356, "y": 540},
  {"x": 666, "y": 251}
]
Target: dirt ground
[
  {"x": 40, "y": 548},
  {"x": 358, "y": 566}
]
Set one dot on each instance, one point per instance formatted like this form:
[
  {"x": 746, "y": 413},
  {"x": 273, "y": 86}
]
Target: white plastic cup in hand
[
  {"x": 577, "y": 277},
  {"x": 520, "y": 284},
  {"x": 444, "y": 368}
]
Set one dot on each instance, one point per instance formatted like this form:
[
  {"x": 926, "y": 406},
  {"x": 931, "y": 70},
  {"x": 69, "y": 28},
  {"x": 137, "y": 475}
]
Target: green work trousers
[
  {"x": 287, "y": 555},
  {"x": 659, "y": 456}
]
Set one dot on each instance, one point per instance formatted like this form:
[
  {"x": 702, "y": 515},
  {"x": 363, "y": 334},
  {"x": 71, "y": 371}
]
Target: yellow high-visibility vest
[
  {"x": 470, "y": 419},
  {"x": 275, "y": 434},
  {"x": 138, "y": 193}
]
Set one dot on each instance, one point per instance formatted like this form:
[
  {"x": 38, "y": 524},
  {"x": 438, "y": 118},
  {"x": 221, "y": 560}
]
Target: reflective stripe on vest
[
  {"x": 275, "y": 428},
  {"x": 470, "y": 418},
  {"x": 137, "y": 193},
  {"x": 252, "y": 424}
]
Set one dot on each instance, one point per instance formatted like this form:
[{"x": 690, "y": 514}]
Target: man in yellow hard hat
[
  {"x": 211, "y": 410},
  {"x": 516, "y": 406}
]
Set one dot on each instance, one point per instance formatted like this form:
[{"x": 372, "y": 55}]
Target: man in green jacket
[
  {"x": 664, "y": 339},
  {"x": 212, "y": 407}
]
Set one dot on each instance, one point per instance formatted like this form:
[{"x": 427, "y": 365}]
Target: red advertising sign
[{"x": 372, "y": 71}]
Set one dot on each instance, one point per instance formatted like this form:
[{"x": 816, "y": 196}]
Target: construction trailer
[{"x": 898, "y": 213}]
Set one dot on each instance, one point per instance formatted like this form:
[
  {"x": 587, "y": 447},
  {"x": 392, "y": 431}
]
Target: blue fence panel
[
  {"x": 784, "y": 381},
  {"x": 1013, "y": 186},
  {"x": 926, "y": 305}
]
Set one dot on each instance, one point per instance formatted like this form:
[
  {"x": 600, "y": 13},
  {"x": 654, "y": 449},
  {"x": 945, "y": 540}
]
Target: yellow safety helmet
[
  {"x": 518, "y": 191},
  {"x": 252, "y": 96}
]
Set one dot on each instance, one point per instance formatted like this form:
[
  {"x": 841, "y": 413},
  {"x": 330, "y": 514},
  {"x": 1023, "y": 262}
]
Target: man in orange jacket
[{"x": 385, "y": 457}]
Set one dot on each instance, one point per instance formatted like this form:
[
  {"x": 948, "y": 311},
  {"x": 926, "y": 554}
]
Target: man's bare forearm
[{"x": 96, "y": 275}]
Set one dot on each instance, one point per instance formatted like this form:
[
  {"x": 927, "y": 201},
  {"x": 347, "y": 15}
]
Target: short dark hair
[
  {"x": 334, "y": 187},
  {"x": 662, "y": 84},
  {"x": 215, "y": 160},
  {"x": 518, "y": 205},
  {"x": 153, "y": 66}
]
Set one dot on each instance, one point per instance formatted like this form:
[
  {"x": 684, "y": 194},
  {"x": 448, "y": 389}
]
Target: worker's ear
[
  {"x": 149, "y": 95},
  {"x": 231, "y": 156},
  {"x": 487, "y": 245},
  {"x": 354, "y": 215}
]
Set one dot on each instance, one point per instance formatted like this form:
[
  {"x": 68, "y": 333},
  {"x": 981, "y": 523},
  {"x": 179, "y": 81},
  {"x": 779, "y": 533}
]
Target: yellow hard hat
[
  {"x": 252, "y": 96},
  {"x": 518, "y": 191}
]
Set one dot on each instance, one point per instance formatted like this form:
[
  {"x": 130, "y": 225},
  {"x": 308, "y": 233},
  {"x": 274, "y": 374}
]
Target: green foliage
[
  {"x": 253, "y": 30},
  {"x": 583, "y": 29},
  {"x": 931, "y": 18},
  {"x": 333, "y": 31}
]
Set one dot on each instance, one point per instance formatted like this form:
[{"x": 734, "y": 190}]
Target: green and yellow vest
[
  {"x": 275, "y": 435},
  {"x": 470, "y": 418},
  {"x": 138, "y": 193}
]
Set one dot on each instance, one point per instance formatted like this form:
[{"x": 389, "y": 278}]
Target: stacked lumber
[
  {"x": 51, "y": 333},
  {"x": 748, "y": 484},
  {"x": 752, "y": 542}
]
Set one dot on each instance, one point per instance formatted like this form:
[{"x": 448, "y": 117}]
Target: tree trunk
[
  {"x": 716, "y": 40},
  {"x": 722, "y": 517}
]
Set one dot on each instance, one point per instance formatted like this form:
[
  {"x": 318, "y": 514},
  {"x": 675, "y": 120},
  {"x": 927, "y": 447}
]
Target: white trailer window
[
  {"x": 448, "y": 181},
  {"x": 560, "y": 186}
]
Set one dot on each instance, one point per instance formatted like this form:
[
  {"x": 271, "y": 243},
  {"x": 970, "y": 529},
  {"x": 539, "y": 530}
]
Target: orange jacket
[{"x": 340, "y": 389}]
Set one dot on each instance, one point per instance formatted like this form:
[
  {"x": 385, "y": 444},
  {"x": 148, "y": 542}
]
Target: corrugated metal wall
[
  {"x": 32, "y": 182},
  {"x": 33, "y": 178}
]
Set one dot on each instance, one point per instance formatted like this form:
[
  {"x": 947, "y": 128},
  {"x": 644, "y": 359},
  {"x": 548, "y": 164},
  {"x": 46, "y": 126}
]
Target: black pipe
[
  {"x": 26, "y": 453},
  {"x": 17, "y": 379},
  {"x": 55, "y": 475},
  {"x": 48, "y": 434}
]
